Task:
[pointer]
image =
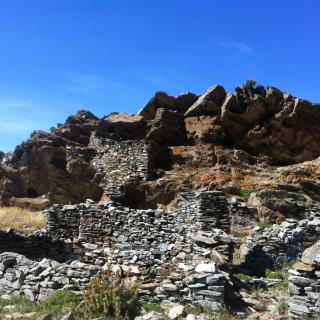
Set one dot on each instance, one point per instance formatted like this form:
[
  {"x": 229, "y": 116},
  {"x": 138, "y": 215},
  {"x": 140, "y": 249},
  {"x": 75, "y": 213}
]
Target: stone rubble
[
  {"x": 304, "y": 284},
  {"x": 274, "y": 246},
  {"x": 39, "y": 279}
]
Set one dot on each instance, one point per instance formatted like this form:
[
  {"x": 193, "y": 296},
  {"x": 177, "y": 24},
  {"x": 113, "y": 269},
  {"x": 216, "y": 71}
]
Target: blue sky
[{"x": 59, "y": 56}]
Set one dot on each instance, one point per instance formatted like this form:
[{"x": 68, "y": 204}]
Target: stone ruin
[
  {"x": 176, "y": 256},
  {"x": 304, "y": 285},
  {"x": 121, "y": 162},
  {"x": 274, "y": 246}
]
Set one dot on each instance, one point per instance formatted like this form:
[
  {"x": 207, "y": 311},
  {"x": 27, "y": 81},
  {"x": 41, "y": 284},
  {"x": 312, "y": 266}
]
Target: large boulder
[
  {"x": 167, "y": 128},
  {"x": 39, "y": 203},
  {"x": 209, "y": 103},
  {"x": 127, "y": 126},
  {"x": 160, "y": 100},
  {"x": 184, "y": 101}
]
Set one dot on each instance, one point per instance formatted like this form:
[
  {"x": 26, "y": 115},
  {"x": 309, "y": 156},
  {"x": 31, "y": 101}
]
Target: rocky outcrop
[
  {"x": 264, "y": 121},
  {"x": 271, "y": 126},
  {"x": 280, "y": 204}
]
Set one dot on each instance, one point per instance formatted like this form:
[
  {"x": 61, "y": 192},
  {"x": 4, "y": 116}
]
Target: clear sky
[{"x": 59, "y": 56}]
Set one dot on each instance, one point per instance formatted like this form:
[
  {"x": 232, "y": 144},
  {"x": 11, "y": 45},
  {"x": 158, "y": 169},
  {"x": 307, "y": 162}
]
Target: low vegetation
[
  {"x": 55, "y": 305},
  {"x": 21, "y": 220}
]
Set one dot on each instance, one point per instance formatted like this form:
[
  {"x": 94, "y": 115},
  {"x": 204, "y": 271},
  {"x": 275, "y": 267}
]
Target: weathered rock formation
[
  {"x": 271, "y": 126},
  {"x": 157, "y": 196}
]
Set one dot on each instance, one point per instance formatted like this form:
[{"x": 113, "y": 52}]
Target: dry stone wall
[
  {"x": 304, "y": 285},
  {"x": 175, "y": 254},
  {"x": 39, "y": 279},
  {"x": 121, "y": 161},
  {"x": 273, "y": 246}
]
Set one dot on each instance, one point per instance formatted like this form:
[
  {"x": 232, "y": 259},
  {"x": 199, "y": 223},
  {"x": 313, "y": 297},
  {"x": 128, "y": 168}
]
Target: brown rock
[
  {"x": 160, "y": 100},
  {"x": 300, "y": 266},
  {"x": 127, "y": 126},
  {"x": 167, "y": 128},
  {"x": 208, "y": 103},
  {"x": 204, "y": 129}
]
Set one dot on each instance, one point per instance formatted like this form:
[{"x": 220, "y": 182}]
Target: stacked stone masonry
[
  {"x": 39, "y": 279},
  {"x": 35, "y": 246},
  {"x": 121, "y": 161},
  {"x": 304, "y": 285},
  {"x": 174, "y": 254},
  {"x": 274, "y": 246}
]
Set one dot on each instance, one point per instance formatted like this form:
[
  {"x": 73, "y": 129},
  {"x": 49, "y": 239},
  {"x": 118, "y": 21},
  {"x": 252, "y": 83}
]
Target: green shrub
[
  {"x": 243, "y": 277},
  {"x": 249, "y": 84},
  {"x": 21, "y": 303},
  {"x": 279, "y": 274},
  {"x": 110, "y": 297}
]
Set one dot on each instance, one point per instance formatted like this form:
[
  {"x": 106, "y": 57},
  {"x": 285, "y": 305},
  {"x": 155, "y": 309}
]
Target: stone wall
[
  {"x": 39, "y": 279},
  {"x": 209, "y": 208},
  {"x": 121, "y": 161},
  {"x": 273, "y": 246},
  {"x": 304, "y": 279},
  {"x": 174, "y": 254}
]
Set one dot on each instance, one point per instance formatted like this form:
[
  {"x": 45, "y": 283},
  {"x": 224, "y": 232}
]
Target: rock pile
[
  {"x": 174, "y": 254},
  {"x": 278, "y": 244},
  {"x": 304, "y": 282},
  {"x": 38, "y": 280}
]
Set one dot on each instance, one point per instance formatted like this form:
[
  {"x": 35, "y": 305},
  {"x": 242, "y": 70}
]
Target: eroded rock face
[
  {"x": 205, "y": 129},
  {"x": 167, "y": 128}
]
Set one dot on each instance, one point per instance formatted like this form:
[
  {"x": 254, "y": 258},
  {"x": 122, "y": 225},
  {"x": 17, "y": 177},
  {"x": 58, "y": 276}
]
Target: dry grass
[{"x": 21, "y": 220}]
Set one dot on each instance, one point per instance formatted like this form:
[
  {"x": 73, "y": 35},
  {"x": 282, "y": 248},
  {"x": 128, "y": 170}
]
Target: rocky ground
[{"x": 258, "y": 146}]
